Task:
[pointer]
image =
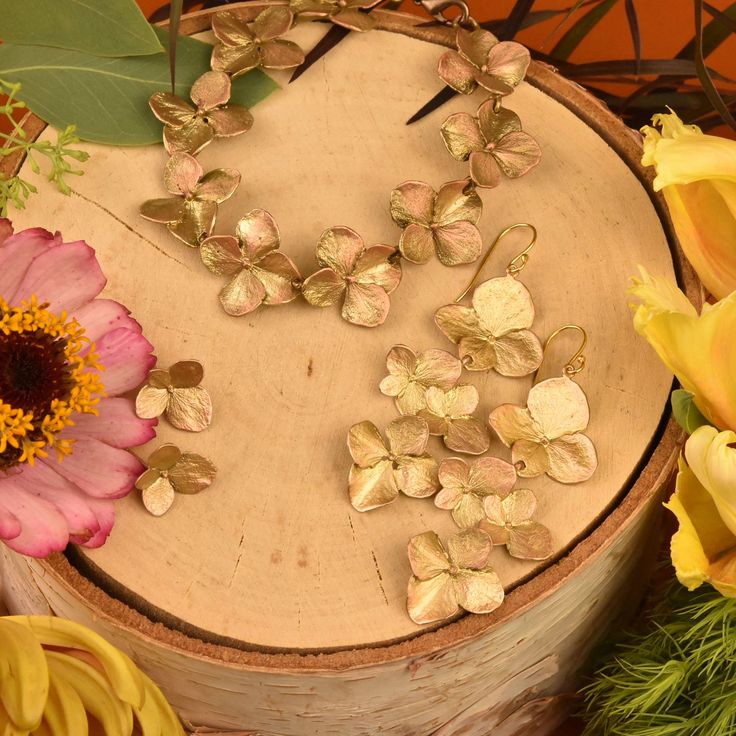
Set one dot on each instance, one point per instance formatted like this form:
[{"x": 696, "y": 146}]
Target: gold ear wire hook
[
  {"x": 515, "y": 266},
  {"x": 577, "y": 362}
]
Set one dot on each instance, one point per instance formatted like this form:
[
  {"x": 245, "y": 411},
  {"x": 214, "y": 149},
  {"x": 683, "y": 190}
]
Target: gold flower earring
[
  {"x": 547, "y": 436},
  {"x": 494, "y": 332}
]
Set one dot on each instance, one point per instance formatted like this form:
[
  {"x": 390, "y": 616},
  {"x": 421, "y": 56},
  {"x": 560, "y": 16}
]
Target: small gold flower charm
[
  {"x": 448, "y": 414},
  {"x": 509, "y": 522},
  {"x": 172, "y": 471},
  {"x": 381, "y": 471},
  {"x": 364, "y": 276},
  {"x": 494, "y": 332},
  {"x": 345, "y": 13},
  {"x": 177, "y": 394},
  {"x": 465, "y": 487},
  {"x": 494, "y": 142},
  {"x": 410, "y": 376},
  {"x": 190, "y": 215},
  {"x": 546, "y": 436},
  {"x": 446, "y": 581},
  {"x": 259, "y": 273},
  {"x": 482, "y": 60},
  {"x": 244, "y": 47},
  {"x": 443, "y": 221},
  {"x": 190, "y": 129}
]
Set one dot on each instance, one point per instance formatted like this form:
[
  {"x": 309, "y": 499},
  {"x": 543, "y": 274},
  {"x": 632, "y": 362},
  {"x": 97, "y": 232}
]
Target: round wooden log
[{"x": 267, "y": 603}]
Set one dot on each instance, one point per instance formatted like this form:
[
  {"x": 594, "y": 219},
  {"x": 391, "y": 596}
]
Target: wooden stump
[{"x": 267, "y": 603}]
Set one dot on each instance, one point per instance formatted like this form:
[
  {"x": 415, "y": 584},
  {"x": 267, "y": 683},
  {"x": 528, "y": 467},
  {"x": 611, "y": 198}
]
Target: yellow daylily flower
[
  {"x": 696, "y": 173},
  {"x": 699, "y": 349}
]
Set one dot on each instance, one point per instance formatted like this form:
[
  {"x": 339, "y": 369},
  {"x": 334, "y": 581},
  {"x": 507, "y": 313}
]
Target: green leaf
[
  {"x": 686, "y": 414},
  {"x": 107, "y": 99},
  {"x": 107, "y": 28},
  {"x": 571, "y": 40}
]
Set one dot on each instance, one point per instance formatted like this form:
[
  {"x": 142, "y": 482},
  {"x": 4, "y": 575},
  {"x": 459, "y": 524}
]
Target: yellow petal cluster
[{"x": 697, "y": 176}]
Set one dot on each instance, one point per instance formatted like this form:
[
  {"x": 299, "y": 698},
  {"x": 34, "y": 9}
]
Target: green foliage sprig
[
  {"x": 678, "y": 678},
  {"x": 16, "y": 190}
]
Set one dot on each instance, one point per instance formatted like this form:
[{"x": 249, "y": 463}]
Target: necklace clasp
[{"x": 438, "y": 8}]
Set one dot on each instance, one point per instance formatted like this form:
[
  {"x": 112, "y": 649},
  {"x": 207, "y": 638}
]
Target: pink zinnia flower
[{"x": 65, "y": 359}]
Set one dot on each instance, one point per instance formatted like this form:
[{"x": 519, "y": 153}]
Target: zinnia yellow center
[{"x": 46, "y": 377}]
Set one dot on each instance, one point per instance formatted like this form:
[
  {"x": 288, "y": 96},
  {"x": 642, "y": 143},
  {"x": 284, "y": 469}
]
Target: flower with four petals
[
  {"x": 508, "y": 521},
  {"x": 190, "y": 129},
  {"x": 190, "y": 215},
  {"x": 546, "y": 435},
  {"x": 448, "y": 580},
  {"x": 410, "y": 376},
  {"x": 493, "y": 142},
  {"x": 443, "y": 221},
  {"x": 448, "y": 414},
  {"x": 482, "y": 60},
  {"x": 244, "y": 47},
  {"x": 177, "y": 394},
  {"x": 494, "y": 332},
  {"x": 381, "y": 470},
  {"x": 464, "y": 486},
  {"x": 172, "y": 471},
  {"x": 259, "y": 273},
  {"x": 364, "y": 276},
  {"x": 349, "y": 14}
]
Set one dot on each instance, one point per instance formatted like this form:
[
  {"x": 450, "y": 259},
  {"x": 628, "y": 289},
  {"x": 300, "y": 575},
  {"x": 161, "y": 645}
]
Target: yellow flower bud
[{"x": 697, "y": 175}]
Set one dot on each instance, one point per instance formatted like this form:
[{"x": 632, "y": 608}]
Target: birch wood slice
[{"x": 269, "y": 582}]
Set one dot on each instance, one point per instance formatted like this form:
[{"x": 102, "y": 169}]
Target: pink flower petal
[
  {"x": 127, "y": 358},
  {"x": 104, "y": 315},
  {"x": 104, "y": 510},
  {"x": 98, "y": 469},
  {"x": 17, "y": 252},
  {"x": 66, "y": 276},
  {"x": 6, "y": 229},
  {"x": 116, "y": 425}
]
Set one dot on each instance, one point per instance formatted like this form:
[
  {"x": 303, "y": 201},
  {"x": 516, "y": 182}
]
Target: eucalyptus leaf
[
  {"x": 686, "y": 414},
  {"x": 108, "y": 28},
  {"x": 107, "y": 99}
]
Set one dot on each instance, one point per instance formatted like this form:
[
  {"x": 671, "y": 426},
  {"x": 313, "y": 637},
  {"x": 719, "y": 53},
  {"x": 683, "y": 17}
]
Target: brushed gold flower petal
[
  {"x": 462, "y": 135},
  {"x": 518, "y": 353},
  {"x": 393, "y": 386},
  {"x": 258, "y": 233},
  {"x": 530, "y": 458},
  {"x": 478, "y": 353},
  {"x": 217, "y": 185},
  {"x": 519, "y": 506},
  {"x": 495, "y": 124},
  {"x": 496, "y": 86},
  {"x": 458, "y": 243},
  {"x": 407, "y": 435},
  {"x": 191, "y": 137},
  {"x": 221, "y": 254},
  {"x": 417, "y": 243},
  {"x": 457, "y": 73},
  {"x": 502, "y": 305},
  {"x": 235, "y": 60},
  {"x": 158, "y": 378},
  {"x": 437, "y": 424},
  {"x": 484, "y": 169},
  {"x": 457, "y": 322},
  {"x": 278, "y": 274},
  {"x": 339, "y": 249},
  {"x": 163, "y": 209},
  {"x": 417, "y": 476},
  {"x": 323, "y": 288},
  {"x": 508, "y": 61},
  {"x": 454, "y": 473},
  {"x": 231, "y": 29},
  {"x": 190, "y": 409},
  {"x": 469, "y": 549},
  {"x": 475, "y": 45},
  {"x": 448, "y": 498},
  {"x": 229, "y": 121},
  {"x": 365, "y": 304},
  {"x": 374, "y": 267},
  {"x": 401, "y": 361},
  {"x": 478, "y": 591},
  {"x": 437, "y": 368},
  {"x": 151, "y": 402},
  {"x": 530, "y": 540},
  {"x": 170, "y": 109},
  {"x": 491, "y": 475},
  {"x": 411, "y": 399},
  {"x": 467, "y": 435},
  {"x": 431, "y": 600},
  {"x": 147, "y": 478},
  {"x": 158, "y": 497},
  {"x": 366, "y": 444},
  {"x": 512, "y": 423},
  {"x": 182, "y": 173},
  {"x": 192, "y": 474},
  {"x": 458, "y": 401},
  {"x": 196, "y": 224},
  {"x": 164, "y": 457},
  {"x": 186, "y": 374},
  {"x": 457, "y": 200},
  {"x": 243, "y": 294},
  {"x": 412, "y": 202},
  {"x": 353, "y": 19},
  {"x": 494, "y": 523},
  {"x": 211, "y": 90},
  {"x": 517, "y": 154},
  {"x": 468, "y": 510},
  {"x": 311, "y": 8},
  {"x": 372, "y": 487},
  {"x": 559, "y": 406},
  {"x": 572, "y": 458},
  {"x": 427, "y": 555},
  {"x": 281, "y": 55},
  {"x": 272, "y": 23}
]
